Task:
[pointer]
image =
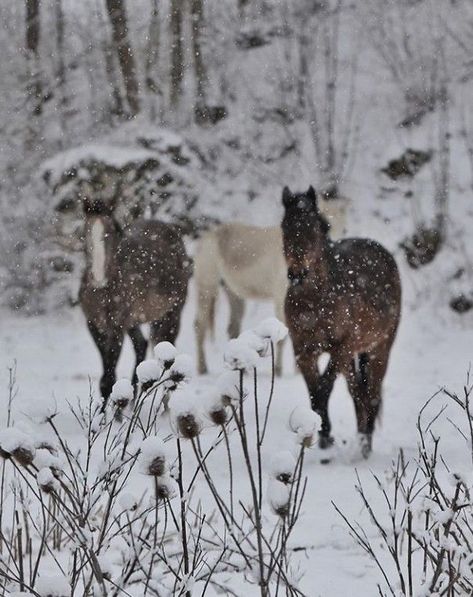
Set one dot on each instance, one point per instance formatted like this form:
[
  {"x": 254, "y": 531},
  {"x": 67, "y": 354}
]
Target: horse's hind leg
[
  {"x": 206, "y": 276},
  {"x": 237, "y": 309},
  {"x": 166, "y": 329},
  {"x": 365, "y": 382},
  {"x": 140, "y": 345}
]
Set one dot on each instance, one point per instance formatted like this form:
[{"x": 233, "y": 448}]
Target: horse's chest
[{"x": 315, "y": 315}]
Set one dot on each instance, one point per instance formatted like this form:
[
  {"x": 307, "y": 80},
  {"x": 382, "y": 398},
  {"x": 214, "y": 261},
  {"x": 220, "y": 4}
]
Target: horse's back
[
  {"x": 251, "y": 259},
  {"x": 154, "y": 267},
  {"x": 370, "y": 270}
]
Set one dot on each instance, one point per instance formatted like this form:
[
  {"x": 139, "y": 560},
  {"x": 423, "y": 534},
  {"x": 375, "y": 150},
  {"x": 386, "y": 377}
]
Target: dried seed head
[
  {"x": 165, "y": 488},
  {"x": 23, "y": 456},
  {"x": 279, "y": 498},
  {"x": 46, "y": 480},
  {"x": 282, "y": 465},
  {"x": 218, "y": 416},
  {"x": 17, "y": 444},
  {"x": 121, "y": 403},
  {"x": 157, "y": 467},
  {"x": 153, "y": 456},
  {"x": 188, "y": 426},
  {"x": 181, "y": 369}
]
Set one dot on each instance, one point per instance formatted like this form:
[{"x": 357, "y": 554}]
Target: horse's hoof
[
  {"x": 278, "y": 372},
  {"x": 365, "y": 445},
  {"x": 325, "y": 442}
]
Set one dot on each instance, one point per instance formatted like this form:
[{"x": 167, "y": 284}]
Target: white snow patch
[{"x": 53, "y": 586}]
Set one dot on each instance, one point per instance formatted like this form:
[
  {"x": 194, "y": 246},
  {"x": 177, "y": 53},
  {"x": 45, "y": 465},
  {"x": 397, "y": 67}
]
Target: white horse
[{"x": 249, "y": 263}]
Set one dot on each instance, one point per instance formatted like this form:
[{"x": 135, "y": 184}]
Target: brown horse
[
  {"x": 344, "y": 298},
  {"x": 131, "y": 277}
]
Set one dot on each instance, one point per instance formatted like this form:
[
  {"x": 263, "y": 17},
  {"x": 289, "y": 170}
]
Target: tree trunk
[
  {"x": 152, "y": 58},
  {"x": 177, "y": 59},
  {"x": 34, "y": 90},
  {"x": 200, "y": 71},
  {"x": 61, "y": 66},
  {"x": 119, "y": 22}
]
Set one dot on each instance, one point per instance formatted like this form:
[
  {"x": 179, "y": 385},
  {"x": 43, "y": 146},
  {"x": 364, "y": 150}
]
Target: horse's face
[
  {"x": 101, "y": 238},
  {"x": 304, "y": 232}
]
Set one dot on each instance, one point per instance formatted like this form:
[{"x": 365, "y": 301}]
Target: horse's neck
[
  {"x": 99, "y": 259},
  {"x": 322, "y": 265}
]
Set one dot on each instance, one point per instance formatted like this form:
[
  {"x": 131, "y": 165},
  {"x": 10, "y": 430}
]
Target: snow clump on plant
[
  {"x": 186, "y": 417},
  {"x": 165, "y": 354},
  {"x": 152, "y": 456},
  {"x": 304, "y": 422}
]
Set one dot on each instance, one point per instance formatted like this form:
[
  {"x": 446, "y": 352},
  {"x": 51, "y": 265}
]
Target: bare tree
[
  {"x": 61, "y": 65},
  {"x": 327, "y": 92},
  {"x": 177, "y": 53},
  {"x": 152, "y": 57},
  {"x": 200, "y": 71},
  {"x": 111, "y": 70},
  {"x": 34, "y": 89},
  {"x": 118, "y": 19}
]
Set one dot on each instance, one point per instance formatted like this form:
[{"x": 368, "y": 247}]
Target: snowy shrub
[
  {"x": 121, "y": 509},
  {"x": 425, "y": 549}
]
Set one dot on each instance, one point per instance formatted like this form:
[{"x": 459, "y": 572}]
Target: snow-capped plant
[
  {"x": 165, "y": 353},
  {"x": 240, "y": 355},
  {"x": 425, "y": 549},
  {"x": 91, "y": 531},
  {"x": 148, "y": 371},
  {"x": 271, "y": 329},
  {"x": 305, "y": 423},
  {"x": 152, "y": 456}
]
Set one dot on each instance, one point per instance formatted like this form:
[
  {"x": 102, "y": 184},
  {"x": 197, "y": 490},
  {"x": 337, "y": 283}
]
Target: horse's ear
[
  {"x": 325, "y": 224},
  {"x": 312, "y": 195},
  {"x": 287, "y": 197}
]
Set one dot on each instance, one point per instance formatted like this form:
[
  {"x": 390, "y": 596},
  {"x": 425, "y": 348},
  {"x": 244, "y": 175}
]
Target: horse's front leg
[
  {"x": 320, "y": 387},
  {"x": 320, "y": 399},
  {"x": 109, "y": 343}
]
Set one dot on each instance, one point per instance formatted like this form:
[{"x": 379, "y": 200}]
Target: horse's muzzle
[{"x": 296, "y": 277}]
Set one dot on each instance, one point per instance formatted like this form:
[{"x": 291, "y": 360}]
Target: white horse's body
[{"x": 249, "y": 262}]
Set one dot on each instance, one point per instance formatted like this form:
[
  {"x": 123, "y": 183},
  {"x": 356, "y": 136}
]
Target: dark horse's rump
[{"x": 344, "y": 299}]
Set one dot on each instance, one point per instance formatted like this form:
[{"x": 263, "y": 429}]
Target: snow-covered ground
[{"x": 57, "y": 361}]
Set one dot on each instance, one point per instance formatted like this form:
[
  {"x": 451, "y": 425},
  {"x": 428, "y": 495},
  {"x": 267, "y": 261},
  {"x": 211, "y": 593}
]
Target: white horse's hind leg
[
  {"x": 206, "y": 277},
  {"x": 237, "y": 309}
]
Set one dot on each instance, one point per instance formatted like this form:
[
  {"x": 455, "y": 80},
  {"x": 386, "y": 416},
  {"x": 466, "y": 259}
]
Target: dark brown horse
[
  {"x": 135, "y": 276},
  {"x": 344, "y": 298}
]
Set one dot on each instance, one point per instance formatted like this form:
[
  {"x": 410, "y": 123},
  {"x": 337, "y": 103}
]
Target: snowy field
[{"x": 56, "y": 362}]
